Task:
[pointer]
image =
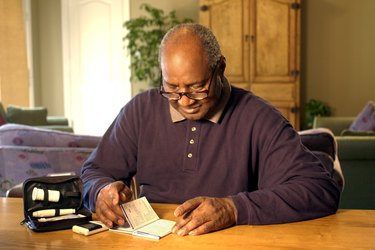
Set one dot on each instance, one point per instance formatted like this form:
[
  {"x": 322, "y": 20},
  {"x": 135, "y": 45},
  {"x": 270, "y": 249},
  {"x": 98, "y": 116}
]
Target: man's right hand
[{"x": 108, "y": 203}]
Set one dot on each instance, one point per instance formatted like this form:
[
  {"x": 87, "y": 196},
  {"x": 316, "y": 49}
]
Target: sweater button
[
  {"x": 191, "y": 141},
  {"x": 190, "y": 155},
  {"x": 193, "y": 129}
]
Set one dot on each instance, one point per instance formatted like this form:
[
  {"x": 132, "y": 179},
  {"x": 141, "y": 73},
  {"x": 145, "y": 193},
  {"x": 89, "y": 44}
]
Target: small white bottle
[{"x": 38, "y": 195}]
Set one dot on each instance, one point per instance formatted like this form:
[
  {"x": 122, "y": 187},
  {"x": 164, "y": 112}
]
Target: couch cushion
[
  {"x": 23, "y": 135},
  {"x": 356, "y": 148},
  {"x": 365, "y": 119},
  {"x": 348, "y": 132},
  {"x": 27, "y": 116},
  {"x": 334, "y": 123}
]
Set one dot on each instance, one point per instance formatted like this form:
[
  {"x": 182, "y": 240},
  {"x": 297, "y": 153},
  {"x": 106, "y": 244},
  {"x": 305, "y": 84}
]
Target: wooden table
[{"x": 348, "y": 229}]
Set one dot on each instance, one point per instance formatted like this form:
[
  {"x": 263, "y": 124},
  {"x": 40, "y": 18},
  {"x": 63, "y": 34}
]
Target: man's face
[{"x": 185, "y": 69}]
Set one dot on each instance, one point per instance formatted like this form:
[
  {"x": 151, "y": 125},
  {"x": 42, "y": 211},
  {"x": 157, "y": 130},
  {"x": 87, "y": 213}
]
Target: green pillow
[
  {"x": 27, "y": 116},
  {"x": 3, "y": 117},
  {"x": 348, "y": 132}
]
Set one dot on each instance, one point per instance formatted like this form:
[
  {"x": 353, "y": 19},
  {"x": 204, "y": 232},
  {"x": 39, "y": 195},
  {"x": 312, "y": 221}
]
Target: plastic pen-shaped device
[
  {"x": 53, "y": 212},
  {"x": 146, "y": 235}
]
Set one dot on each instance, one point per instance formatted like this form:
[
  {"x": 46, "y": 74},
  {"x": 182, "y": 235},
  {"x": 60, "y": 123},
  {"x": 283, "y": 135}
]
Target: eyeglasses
[{"x": 196, "y": 95}]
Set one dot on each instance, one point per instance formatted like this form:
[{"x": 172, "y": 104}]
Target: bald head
[{"x": 193, "y": 38}]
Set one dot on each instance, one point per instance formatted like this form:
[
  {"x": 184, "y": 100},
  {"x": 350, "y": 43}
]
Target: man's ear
[{"x": 222, "y": 65}]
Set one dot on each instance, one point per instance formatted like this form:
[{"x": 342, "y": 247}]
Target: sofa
[
  {"x": 27, "y": 151},
  {"x": 356, "y": 152},
  {"x": 37, "y": 117}
]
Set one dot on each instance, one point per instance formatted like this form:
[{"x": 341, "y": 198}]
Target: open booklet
[{"x": 143, "y": 221}]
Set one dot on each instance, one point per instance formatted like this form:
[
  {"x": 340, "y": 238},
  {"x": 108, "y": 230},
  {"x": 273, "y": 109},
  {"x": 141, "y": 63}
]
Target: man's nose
[{"x": 185, "y": 101}]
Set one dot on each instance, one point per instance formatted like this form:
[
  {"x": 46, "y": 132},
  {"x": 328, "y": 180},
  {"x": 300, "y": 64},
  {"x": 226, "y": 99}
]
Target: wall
[
  {"x": 47, "y": 55},
  {"x": 186, "y": 8},
  {"x": 14, "y": 87},
  {"x": 338, "y": 54}
]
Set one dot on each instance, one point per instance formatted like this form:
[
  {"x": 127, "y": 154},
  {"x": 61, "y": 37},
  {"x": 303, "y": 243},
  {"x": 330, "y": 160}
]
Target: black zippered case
[{"x": 47, "y": 199}]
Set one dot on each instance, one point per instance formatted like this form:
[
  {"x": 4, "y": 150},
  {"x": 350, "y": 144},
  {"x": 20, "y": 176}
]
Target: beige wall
[
  {"x": 47, "y": 55},
  {"x": 185, "y": 8},
  {"x": 338, "y": 53},
  {"x": 14, "y": 87}
]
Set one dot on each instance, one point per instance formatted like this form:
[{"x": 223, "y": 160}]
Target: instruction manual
[{"x": 142, "y": 220}]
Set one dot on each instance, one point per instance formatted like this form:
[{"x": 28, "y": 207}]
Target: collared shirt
[
  {"x": 214, "y": 114},
  {"x": 251, "y": 154}
]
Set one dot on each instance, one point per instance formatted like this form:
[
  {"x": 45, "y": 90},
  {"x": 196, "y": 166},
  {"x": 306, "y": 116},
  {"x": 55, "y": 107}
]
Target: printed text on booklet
[{"x": 143, "y": 221}]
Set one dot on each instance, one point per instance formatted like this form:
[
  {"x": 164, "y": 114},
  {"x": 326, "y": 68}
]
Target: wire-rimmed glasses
[{"x": 195, "y": 95}]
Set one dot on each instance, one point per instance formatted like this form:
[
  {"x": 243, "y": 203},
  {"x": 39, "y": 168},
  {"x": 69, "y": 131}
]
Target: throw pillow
[
  {"x": 348, "y": 132},
  {"x": 3, "y": 118},
  {"x": 365, "y": 119},
  {"x": 27, "y": 116}
]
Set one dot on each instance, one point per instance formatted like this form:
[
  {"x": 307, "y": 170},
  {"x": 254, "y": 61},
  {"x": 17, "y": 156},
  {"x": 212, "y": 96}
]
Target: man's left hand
[{"x": 203, "y": 215}]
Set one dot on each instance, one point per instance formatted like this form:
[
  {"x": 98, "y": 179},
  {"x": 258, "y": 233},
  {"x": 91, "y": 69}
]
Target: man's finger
[
  {"x": 105, "y": 213},
  {"x": 107, "y": 205},
  {"x": 188, "y": 206},
  {"x": 114, "y": 190},
  {"x": 211, "y": 214},
  {"x": 186, "y": 210},
  {"x": 125, "y": 194},
  {"x": 192, "y": 224},
  {"x": 203, "y": 229}
]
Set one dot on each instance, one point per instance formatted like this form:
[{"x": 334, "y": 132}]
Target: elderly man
[{"x": 224, "y": 153}]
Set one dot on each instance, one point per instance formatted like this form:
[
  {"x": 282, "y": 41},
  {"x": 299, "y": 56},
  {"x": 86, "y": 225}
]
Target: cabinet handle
[
  {"x": 294, "y": 110},
  {"x": 295, "y": 6},
  {"x": 251, "y": 38},
  {"x": 204, "y": 8},
  {"x": 294, "y": 72}
]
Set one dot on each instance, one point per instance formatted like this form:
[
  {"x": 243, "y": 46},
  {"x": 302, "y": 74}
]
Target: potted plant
[
  {"x": 315, "y": 108},
  {"x": 142, "y": 41}
]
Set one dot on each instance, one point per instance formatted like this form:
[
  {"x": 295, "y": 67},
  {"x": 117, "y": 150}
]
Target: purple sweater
[{"x": 252, "y": 154}]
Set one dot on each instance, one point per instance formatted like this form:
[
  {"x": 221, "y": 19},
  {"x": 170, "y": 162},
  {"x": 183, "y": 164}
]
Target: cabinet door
[
  {"x": 229, "y": 21},
  {"x": 274, "y": 27},
  {"x": 275, "y": 54}
]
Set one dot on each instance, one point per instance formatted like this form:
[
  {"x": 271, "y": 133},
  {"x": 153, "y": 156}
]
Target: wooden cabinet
[{"x": 261, "y": 42}]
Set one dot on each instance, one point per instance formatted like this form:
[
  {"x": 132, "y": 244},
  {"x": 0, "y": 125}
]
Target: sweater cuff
[{"x": 243, "y": 216}]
